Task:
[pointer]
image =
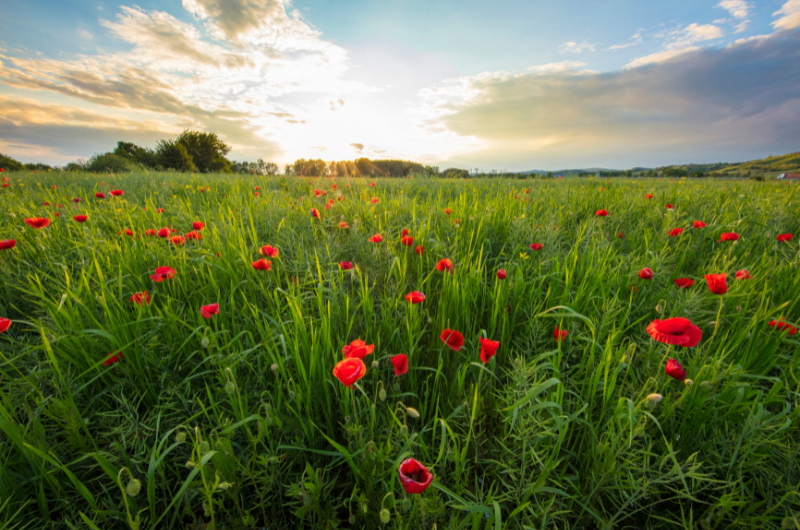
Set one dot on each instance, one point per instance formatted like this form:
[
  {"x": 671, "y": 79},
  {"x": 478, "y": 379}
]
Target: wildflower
[
  {"x": 676, "y": 331},
  {"x": 80, "y": 218},
  {"x": 349, "y": 371},
  {"x": 784, "y": 238},
  {"x": 194, "y": 235},
  {"x": 207, "y": 311},
  {"x": 414, "y": 477},
  {"x": 653, "y": 400},
  {"x": 448, "y": 211},
  {"x": 358, "y": 348},
  {"x": 445, "y": 265},
  {"x": 488, "y": 348},
  {"x": 646, "y": 273},
  {"x": 178, "y": 240},
  {"x": 675, "y": 370},
  {"x": 7, "y": 244},
  {"x": 404, "y": 232},
  {"x": 5, "y": 323},
  {"x": 683, "y": 283},
  {"x": 675, "y": 232},
  {"x": 536, "y": 246},
  {"x": 162, "y": 273},
  {"x": 345, "y": 265},
  {"x": 141, "y": 298},
  {"x": 117, "y": 193},
  {"x": 315, "y": 213},
  {"x": 76, "y": 200},
  {"x": 728, "y": 236},
  {"x": 159, "y": 210},
  {"x": 781, "y": 325},
  {"x": 197, "y": 225},
  {"x": 717, "y": 283},
  {"x": 343, "y": 225},
  {"x": 400, "y": 363},
  {"x": 601, "y": 213},
  {"x": 501, "y": 274},
  {"x": 113, "y": 358},
  {"x": 453, "y": 339},
  {"x": 699, "y": 224},
  {"x": 262, "y": 265},
  {"x": 99, "y": 195},
  {"x": 375, "y": 200},
  {"x": 37, "y": 222},
  {"x": 559, "y": 334},
  {"x": 415, "y": 297},
  {"x": 419, "y": 250},
  {"x": 743, "y": 274},
  {"x": 150, "y": 232},
  {"x": 648, "y": 196},
  {"x": 269, "y": 251},
  {"x": 669, "y": 207},
  {"x": 407, "y": 241},
  {"x": 164, "y": 232},
  {"x": 620, "y": 235}
]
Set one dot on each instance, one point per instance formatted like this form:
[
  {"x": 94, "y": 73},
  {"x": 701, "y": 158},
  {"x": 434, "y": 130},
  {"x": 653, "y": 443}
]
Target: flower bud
[
  {"x": 274, "y": 367},
  {"x": 375, "y": 365},
  {"x": 414, "y": 413},
  {"x": 689, "y": 383},
  {"x": 364, "y": 507},
  {"x": 190, "y": 464},
  {"x": 134, "y": 487},
  {"x": 404, "y": 430},
  {"x": 224, "y": 485},
  {"x": 204, "y": 447},
  {"x": 385, "y": 516},
  {"x": 653, "y": 400},
  {"x": 382, "y": 394},
  {"x": 204, "y": 342},
  {"x": 230, "y": 388},
  {"x": 180, "y": 437},
  {"x": 659, "y": 309},
  {"x": 352, "y": 519}
]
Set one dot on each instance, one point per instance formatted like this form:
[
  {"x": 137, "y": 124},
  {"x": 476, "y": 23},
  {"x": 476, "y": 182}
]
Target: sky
[{"x": 505, "y": 85}]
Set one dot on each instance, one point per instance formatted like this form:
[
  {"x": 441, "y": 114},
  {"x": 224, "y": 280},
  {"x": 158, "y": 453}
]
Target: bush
[
  {"x": 9, "y": 164},
  {"x": 109, "y": 162},
  {"x": 173, "y": 155},
  {"x": 207, "y": 151}
]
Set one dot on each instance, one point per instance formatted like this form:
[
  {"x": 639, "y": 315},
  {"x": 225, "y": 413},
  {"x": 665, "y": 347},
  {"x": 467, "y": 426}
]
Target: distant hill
[{"x": 776, "y": 164}]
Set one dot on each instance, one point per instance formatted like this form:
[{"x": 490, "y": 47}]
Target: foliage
[
  {"x": 140, "y": 155},
  {"x": 9, "y": 164},
  {"x": 674, "y": 172},
  {"x": 109, "y": 163},
  {"x": 206, "y": 149},
  {"x": 260, "y": 166},
  {"x": 455, "y": 173},
  {"x": 173, "y": 155}
]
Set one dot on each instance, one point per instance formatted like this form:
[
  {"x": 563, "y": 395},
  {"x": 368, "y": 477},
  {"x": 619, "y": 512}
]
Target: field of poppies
[{"x": 225, "y": 352}]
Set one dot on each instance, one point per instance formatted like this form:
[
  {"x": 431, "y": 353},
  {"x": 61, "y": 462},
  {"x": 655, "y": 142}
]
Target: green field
[{"x": 237, "y": 421}]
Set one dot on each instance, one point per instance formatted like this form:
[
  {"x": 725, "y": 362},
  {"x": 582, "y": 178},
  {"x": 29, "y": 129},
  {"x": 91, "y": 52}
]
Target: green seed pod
[
  {"x": 396, "y": 387},
  {"x": 204, "y": 447},
  {"x": 382, "y": 394},
  {"x": 190, "y": 464},
  {"x": 352, "y": 519},
  {"x": 375, "y": 365},
  {"x": 385, "y": 516},
  {"x": 404, "y": 430},
  {"x": 204, "y": 342},
  {"x": 180, "y": 437},
  {"x": 364, "y": 507},
  {"x": 414, "y": 413},
  {"x": 230, "y": 388},
  {"x": 134, "y": 487}
]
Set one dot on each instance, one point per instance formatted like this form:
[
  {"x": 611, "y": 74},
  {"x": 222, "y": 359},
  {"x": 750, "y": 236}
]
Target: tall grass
[{"x": 237, "y": 421}]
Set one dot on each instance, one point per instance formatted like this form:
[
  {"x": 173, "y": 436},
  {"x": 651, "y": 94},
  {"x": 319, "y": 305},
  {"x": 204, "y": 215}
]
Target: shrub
[
  {"x": 173, "y": 155},
  {"x": 109, "y": 162}
]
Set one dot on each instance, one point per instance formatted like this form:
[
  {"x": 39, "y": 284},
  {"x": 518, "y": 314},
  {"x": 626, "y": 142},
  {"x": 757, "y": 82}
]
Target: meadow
[{"x": 130, "y": 399}]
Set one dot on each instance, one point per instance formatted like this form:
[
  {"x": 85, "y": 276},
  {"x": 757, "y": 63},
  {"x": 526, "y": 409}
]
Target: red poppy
[
  {"x": 717, "y": 283},
  {"x": 345, "y": 265},
  {"x": 76, "y": 200},
  {"x": 128, "y": 232},
  {"x": 501, "y": 274},
  {"x": 80, "y": 218},
  {"x": 343, "y": 225},
  {"x": 197, "y": 225},
  {"x": 646, "y": 273},
  {"x": 404, "y": 232},
  {"x": 781, "y": 325},
  {"x": 113, "y": 358},
  {"x": 728, "y": 236},
  {"x": 648, "y": 196},
  {"x": 536, "y": 246},
  {"x": 407, "y": 241},
  {"x": 317, "y": 193},
  {"x": 358, "y": 348},
  {"x": 743, "y": 274},
  {"x": 314, "y": 213},
  {"x": 676, "y": 331},
  {"x": 620, "y": 235},
  {"x": 257, "y": 188},
  {"x": 445, "y": 265},
  {"x": 58, "y": 214},
  {"x": 117, "y": 193},
  {"x": 164, "y": 232},
  {"x": 683, "y": 283},
  {"x": 784, "y": 237},
  {"x": 262, "y": 265},
  {"x": 675, "y": 232},
  {"x": 448, "y": 211},
  {"x": 5, "y": 323},
  {"x": 5, "y": 185},
  {"x": 374, "y": 200},
  {"x": 559, "y": 334},
  {"x": 699, "y": 224},
  {"x": 150, "y": 232},
  {"x": 669, "y": 207},
  {"x": 488, "y": 348},
  {"x": 415, "y": 297},
  {"x": 7, "y": 244},
  {"x": 38, "y": 222},
  {"x": 400, "y": 363},
  {"x": 419, "y": 250},
  {"x": 178, "y": 240},
  {"x": 257, "y": 194},
  {"x": 414, "y": 477},
  {"x": 45, "y": 203},
  {"x": 162, "y": 273},
  {"x": 377, "y": 238},
  {"x": 194, "y": 235},
  {"x": 99, "y": 195},
  {"x": 269, "y": 251},
  {"x": 208, "y": 311},
  {"x": 159, "y": 210},
  {"x": 141, "y": 298},
  {"x": 453, "y": 339},
  {"x": 675, "y": 370},
  {"x": 601, "y": 213}
]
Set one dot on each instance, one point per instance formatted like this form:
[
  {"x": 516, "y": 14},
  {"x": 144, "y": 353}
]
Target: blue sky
[{"x": 515, "y": 85}]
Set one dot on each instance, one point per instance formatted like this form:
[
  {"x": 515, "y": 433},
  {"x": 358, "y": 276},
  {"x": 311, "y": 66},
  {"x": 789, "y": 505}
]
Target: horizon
[{"x": 521, "y": 86}]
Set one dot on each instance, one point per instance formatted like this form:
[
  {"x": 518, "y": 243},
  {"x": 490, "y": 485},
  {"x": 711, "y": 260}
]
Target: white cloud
[
  {"x": 737, "y": 8},
  {"x": 790, "y": 18},
  {"x": 574, "y": 47},
  {"x": 659, "y": 57},
  {"x": 85, "y": 34},
  {"x": 635, "y": 39},
  {"x": 691, "y": 34}
]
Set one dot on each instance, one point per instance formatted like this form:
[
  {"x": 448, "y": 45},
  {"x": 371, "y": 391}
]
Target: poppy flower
[
  {"x": 314, "y": 213},
  {"x": 699, "y": 224},
  {"x": 675, "y": 232},
  {"x": 783, "y": 238},
  {"x": 256, "y": 194},
  {"x": 414, "y": 477},
  {"x": 112, "y": 358},
  {"x": 345, "y": 265},
  {"x": 150, "y": 232},
  {"x": 415, "y": 297},
  {"x": 536, "y": 246},
  {"x": 559, "y": 334},
  {"x": 717, "y": 283},
  {"x": 194, "y": 235},
  {"x": 178, "y": 240},
  {"x": 675, "y": 370},
  {"x": 159, "y": 210},
  {"x": 7, "y": 244},
  {"x": 669, "y": 207},
  {"x": 400, "y": 363},
  {"x": 99, "y": 195},
  {"x": 317, "y": 193},
  {"x": 162, "y": 273},
  {"x": 80, "y": 218},
  {"x": 404, "y": 232},
  {"x": 5, "y": 323},
  {"x": 343, "y": 225},
  {"x": 601, "y": 213},
  {"x": 58, "y": 214},
  {"x": 197, "y": 225},
  {"x": 419, "y": 250},
  {"x": 648, "y": 196},
  {"x": 407, "y": 241},
  {"x": 676, "y": 331},
  {"x": 45, "y": 203},
  {"x": 5, "y": 185},
  {"x": 743, "y": 275},
  {"x": 445, "y": 265},
  {"x": 37, "y": 222},
  {"x": 374, "y": 200},
  {"x": 620, "y": 235},
  {"x": 501, "y": 274},
  {"x": 488, "y": 348},
  {"x": 76, "y": 200},
  {"x": 377, "y": 238},
  {"x": 141, "y": 298},
  {"x": 453, "y": 339},
  {"x": 683, "y": 283},
  {"x": 777, "y": 324},
  {"x": 262, "y": 265},
  {"x": 448, "y": 211},
  {"x": 128, "y": 232},
  {"x": 728, "y": 236},
  {"x": 117, "y": 193},
  {"x": 257, "y": 188},
  {"x": 646, "y": 273},
  {"x": 208, "y": 311},
  {"x": 164, "y": 232}
]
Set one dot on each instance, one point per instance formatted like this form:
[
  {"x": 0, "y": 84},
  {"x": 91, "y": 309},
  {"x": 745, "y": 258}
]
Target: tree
[
  {"x": 173, "y": 155},
  {"x": 206, "y": 149},
  {"x": 674, "y": 172},
  {"x": 139, "y": 155},
  {"x": 109, "y": 162},
  {"x": 9, "y": 164}
]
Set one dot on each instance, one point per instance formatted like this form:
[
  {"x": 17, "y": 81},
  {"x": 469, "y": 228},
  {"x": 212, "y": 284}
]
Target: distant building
[{"x": 792, "y": 176}]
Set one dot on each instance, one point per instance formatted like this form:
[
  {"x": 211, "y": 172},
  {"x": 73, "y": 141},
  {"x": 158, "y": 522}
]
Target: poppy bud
[
  {"x": 352, "y": 519},
  {"x": 659, "y": 309},
  {"x": 204, "y": 342},
  {"x": 653, "y": 400},
  {"x": 365, "y": 507},
  {"x": 134, "y": 487},
  {"x": 375, "y": 365},
  {"x": 274, "y": 367},
  {"x": 189, "y": 464},
  {"x": 230, "y": 388},
  {"x": 689, "y": 383},
  {"x": 706, "y": 385},
  {"x": 204, "y": 447},
  {"x": 385, "y": 516},
  {"x": 404, "y": 430},
  {"x": 180, "y": 437},
  {"x": 396, "y": 387},
  {"x": 382, "y": 394},
  {"x": 414, "y": 413}
]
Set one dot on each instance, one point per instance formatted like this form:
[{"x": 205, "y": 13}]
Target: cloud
[
  {"x": 635, "y": 39},
  {"x": 85, "y": 34},
  {"x": 701, "y": 104},
  {"x": 737, "y": 8},
  {"x": 359, "y": 147},
  {"x": 790, "y": 18},
  {"x": 691, "y": 34},
  {"x": 574, "y": 47}
]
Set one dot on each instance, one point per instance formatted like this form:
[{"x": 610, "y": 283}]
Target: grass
[{"x": 237, "y": 421}]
